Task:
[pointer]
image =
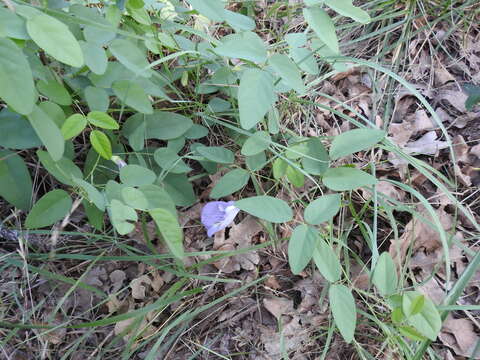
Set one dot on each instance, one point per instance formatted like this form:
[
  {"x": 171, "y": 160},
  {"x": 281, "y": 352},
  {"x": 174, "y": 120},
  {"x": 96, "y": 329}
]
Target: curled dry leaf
[
  {"x": 426, "y": 145},
  {"x": 138, "y": 290},
  {"x": 459, "y": 335},
  {"x": 117, "y": 277},
  {"x": 240, "y": 237}
]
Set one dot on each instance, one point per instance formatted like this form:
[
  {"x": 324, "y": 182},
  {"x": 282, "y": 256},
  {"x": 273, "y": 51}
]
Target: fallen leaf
[
  {"x": 456, "y": 98},
  {"x": 442, "y": 75},
  {"x": 278, "y": 306},
  {"x": 293, "y": 336},
  {"x": 117, "y": 277},
  {"x": 426, "y": 145},
  {"x": 419, "y": 235},
  {"x": 462, "y": 339},
  {"x": 240, "y": 237},
  {"x": 138, "y": 290}
]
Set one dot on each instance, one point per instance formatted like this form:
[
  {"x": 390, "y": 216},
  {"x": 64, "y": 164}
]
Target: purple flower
[
  {"x": 217, "y": 215},
  {"x": 117, "y": 160}
]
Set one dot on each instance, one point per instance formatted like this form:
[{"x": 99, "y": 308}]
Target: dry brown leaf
[
  {"x": 461, "y": 149},
  {"x": 138, "y": 290},
  {"x": 386, "y": 188},
  {"x": 433, "y": 291},
  {"x": 122, "y": 326},
  {"x": 421, "y": 121},
  {"x": 272, "y": 282},
  {"x": 401, "y": 133},
  {"x": 459, "y": 335},
  {"x": 426, "y": 145},
  {"x": 278, "y": 306},
  {"x": 456, "y": 98},
  {"x": 240, "y": 237},
  {"x": 293, "y": 334},
  {"x": 420, "y": 235},
  {"x": 117, "y": 278},
  {"x": 475, "y": 150}
]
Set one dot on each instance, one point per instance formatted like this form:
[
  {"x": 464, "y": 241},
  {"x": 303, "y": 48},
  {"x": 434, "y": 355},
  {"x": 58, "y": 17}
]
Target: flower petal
[
  {"x": 217, "y": 215},
  {"x": 212, "y": 213}
]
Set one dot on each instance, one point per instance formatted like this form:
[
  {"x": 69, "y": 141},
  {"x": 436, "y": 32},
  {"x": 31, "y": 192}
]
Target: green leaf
[
  {"x": 256, "y": 143},
  {"x": 161, "y": 125},
  {"x": 170, "y": 229},
  {"x": 417, "y": 305},
  {"x": 327, "y": 261},
  {"x": 279, "y": 168},
  {"x": 428, "y": 321},
  {"x": 135, "y": 198},
  {"x": 196, "y": 132},
  {"x": 95, "y": 57},
  {"x": 473, "y": 96},
  {"x": 169, "y": 161},
  {"x": 343, "y": 309},
  {"x": 101, "y": 144},
  {"x": 55, "y": 92},
  {"x": 97, "y": 98},
  {"x": 102, "y": 120},
  {"x": 212, "y": 9},
  {"x": 273, "y": 121},
  {"x": 136, "y": 175},
  {"x": 179, "y": 189},
  {"x": 323, "y": 209},
  {"x": 131, "y": 56},
  {"x": 123, "y": 217},
  {"x": 305, "y": 60},
  {"x": 64, "y": 170},
  {"x": 316, "y": 160},
  {"x": 216, "y": 154},
  {"x": 354, "y": 140},
  {"x": 16, "y": 79},
  {"x": 410, "y": 333},
  {"x": 16, "y": 132},
  {"x": 323, "y": 26},
  {"x": 245, "y": 45},
  {"x": 54, "y": 112},
  {"x": 256, "y": 96},
  {"x": 73, "y": 126},
  {"x": 397, "y": 315},
  {"x": 55, "y": 38},
  {"x": 295, "y": 177},
  {"x": 266, "y": 208},
  {"x": 92, "y": 193},
  {"x": 256, "y": 162},
  {"x": 48, "y": 132},
  {"x": 239, "y": 21},
  {"x": 52, "y": 207},
  {"x": 132, "y": 95},
  {"x": 385, "y": 275},
  {"x": 347, "y": 178},
  {"x": 229, "y": 183},
  {"x": 15, "y": 181},
  {"x": 288, "y": 71},
  {"x": 12, "y": 25},
  {"x": 157, "y": 197},
  {"x": 346, "y": 8},
  {"x": 94, "y": 215},
  {"x": 301, "y": 246}
]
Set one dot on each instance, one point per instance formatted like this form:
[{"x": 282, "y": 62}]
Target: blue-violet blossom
[{"x": 217, "y": 215}]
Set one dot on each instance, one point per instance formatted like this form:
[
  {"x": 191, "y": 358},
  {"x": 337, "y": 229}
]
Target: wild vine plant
[{"x": 112, "y": 78}]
